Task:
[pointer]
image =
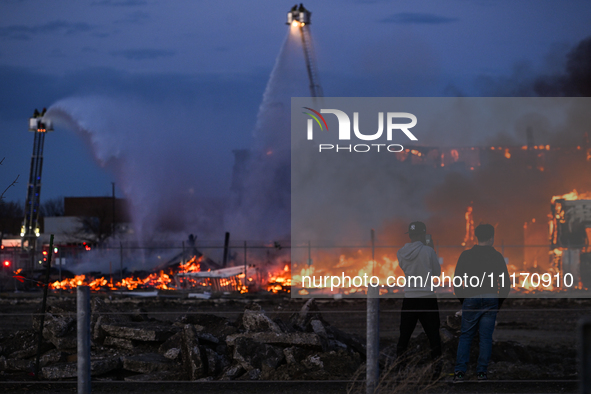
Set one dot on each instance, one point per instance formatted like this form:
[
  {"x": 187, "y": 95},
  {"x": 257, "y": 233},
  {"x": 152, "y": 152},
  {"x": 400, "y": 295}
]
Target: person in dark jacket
[
  {"x": 480, "y": 301},
  {"x": 420, "y": 302}
]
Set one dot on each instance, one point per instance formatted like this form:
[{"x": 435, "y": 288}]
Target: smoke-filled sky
[{"x": 196, "y": 71}]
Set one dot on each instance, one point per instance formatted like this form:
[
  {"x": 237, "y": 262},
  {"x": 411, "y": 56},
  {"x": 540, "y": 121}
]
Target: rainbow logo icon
[{"x": 315, "y": 116}]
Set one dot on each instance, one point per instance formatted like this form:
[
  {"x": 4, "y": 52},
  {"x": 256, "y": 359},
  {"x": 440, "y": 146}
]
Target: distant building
[{"x": 88, "y": 219}]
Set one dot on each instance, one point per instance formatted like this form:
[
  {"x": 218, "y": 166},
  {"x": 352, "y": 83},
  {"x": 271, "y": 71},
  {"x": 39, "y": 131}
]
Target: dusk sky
[{"x": 211, "y": 61}]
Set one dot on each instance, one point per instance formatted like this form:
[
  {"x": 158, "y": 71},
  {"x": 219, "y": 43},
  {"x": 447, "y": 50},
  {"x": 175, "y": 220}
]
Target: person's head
[
  {"x": 417, "y": 231},
  {"x": 485, "y": 234}
]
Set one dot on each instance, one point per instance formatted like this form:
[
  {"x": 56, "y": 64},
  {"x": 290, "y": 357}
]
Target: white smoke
[
  {"x": 165, "y": 158},
  {"x": 158, "y": 157},
  {"x": 264, "y": 207}
]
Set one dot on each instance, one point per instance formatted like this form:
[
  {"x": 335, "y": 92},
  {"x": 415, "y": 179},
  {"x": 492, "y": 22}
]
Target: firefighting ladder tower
[
  {"x": 30, "y": 228},
  {"x": 300, "y": 17}
]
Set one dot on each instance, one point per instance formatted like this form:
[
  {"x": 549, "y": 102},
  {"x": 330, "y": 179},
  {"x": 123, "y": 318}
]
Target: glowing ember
[
  {"x": 160, "y": 280},
  {"x": 469, "y": 237},
  {"x": 572, "y": 196},
  {"x": 281, "y": 281},
  {"x": 192, "y": 265}
]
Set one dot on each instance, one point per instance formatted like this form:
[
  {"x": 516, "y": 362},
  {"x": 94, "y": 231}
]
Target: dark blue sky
[{"x": 211, "y": 60}]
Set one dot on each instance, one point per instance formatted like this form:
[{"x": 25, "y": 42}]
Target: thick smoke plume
[
  {"x": 157, "y": 156},
  {"x": 167, "y": 159},
  {"x": 263, "y": 204},
  {"x": 564, "y": 73},
  {"x": 575, "y": 81}
]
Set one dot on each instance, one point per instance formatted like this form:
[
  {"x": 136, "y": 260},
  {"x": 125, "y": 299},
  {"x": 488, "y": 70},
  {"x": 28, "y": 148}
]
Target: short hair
[{"x": 484, "y": 232}]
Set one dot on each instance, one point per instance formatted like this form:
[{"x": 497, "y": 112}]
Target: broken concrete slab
[
  {"x": 149, "y": 362},
  {"x": 192, "y": 354},
  {"x": 352, "y": 341},
  {"x": 318, "y": 366},
  {"x": 140, "y": 315},
  {"x": 216, "y": 325},
  {"x": 288, "y": 352},
  {"x": 295, "y": 354},
  {"x": 97, "y": 333},
  {"x": 99, "y": 366},
  {"x": 233, "y": 372},
  {"x": 120, "y": 343},
  {"x": 66, "y": 342},
  {"x": 333, "y": 344},
  {"x": 59, "y": 323},
  {"x": 174, "y": 341},
  {"x": 140, "y": 331},
  {"x": 31, "y": 351},
  {"x": 207, "y": 337},
  {"x": 22, "y": 344},
  {"x": 308, "y": 312},
  {"x": 52, "y": 357},
  {"x": 11, "y": 364},
  {"x": 59, "y": 327},
  {"x": 173, "y": 353},
  {"x": 254, "y": 319},
  {"x": 318, "y": 328},
  {"x": 253, "y": 355},
  {"x": 213, "y": 362},
  {"x": 313, "y": 361},
  {"x": 302, "y": 339}
]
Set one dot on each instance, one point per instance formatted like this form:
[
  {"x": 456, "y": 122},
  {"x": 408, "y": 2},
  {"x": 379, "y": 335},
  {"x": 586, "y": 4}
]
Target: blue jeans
[{"x": 478, "y": 313}]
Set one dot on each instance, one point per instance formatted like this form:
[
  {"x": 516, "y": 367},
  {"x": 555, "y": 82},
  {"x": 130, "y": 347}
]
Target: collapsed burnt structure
[{"x": 570, "y": 228}]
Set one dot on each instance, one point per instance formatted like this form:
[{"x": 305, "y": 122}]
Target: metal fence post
[
  {"x": 121, "y": 264},
  {"x": 83, "y": 316},
  {"x": 585, "y": 355},
  {"x": 373, "y": 330},
  {"x": 43, "y": 305}
]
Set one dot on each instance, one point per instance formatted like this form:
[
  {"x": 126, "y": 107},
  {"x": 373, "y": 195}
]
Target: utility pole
[
  {"x": 113, "y": 224},
  {"x": 373, "y": 329}
]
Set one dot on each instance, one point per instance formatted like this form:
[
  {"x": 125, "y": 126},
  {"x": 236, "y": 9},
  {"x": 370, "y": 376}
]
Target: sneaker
[
  {"x": 482, "y": 376},
  {"x": 458, "y": 377}
]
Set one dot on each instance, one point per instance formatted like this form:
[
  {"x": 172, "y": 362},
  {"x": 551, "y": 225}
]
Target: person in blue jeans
[{"x": 480, "y": 301}]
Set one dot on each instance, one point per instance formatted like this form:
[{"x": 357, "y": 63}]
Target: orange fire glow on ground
[
  {"x": 275, "y": 281},
  {"x": 160, "y": 280},
  {"x": 351, "y": 263}
]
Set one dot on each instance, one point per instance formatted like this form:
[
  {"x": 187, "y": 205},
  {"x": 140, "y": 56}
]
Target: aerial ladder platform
[
  {"x": 300, "y": 17},
  {"x": 30, "y": 229}
]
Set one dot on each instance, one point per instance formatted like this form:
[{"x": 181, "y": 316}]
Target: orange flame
[{"x": 469, "y": 237}]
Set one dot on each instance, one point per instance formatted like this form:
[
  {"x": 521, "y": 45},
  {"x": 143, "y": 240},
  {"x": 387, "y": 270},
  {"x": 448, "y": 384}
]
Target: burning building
[{"x": 570, "y": 228}]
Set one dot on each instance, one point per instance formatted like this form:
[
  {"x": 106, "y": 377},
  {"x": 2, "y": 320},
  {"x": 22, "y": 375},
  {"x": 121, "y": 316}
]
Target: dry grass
[{"x": 415, "y": 376}]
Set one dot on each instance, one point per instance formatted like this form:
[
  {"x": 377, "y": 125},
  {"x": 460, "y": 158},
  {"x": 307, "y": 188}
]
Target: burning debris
[
  {"x": 188, "y": 271},
  {"x": 189, "y": 276},
  {"x": 570, "y": 228}
]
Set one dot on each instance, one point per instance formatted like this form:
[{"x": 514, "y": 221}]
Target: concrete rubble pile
[{"x": 135, "y": 347}]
